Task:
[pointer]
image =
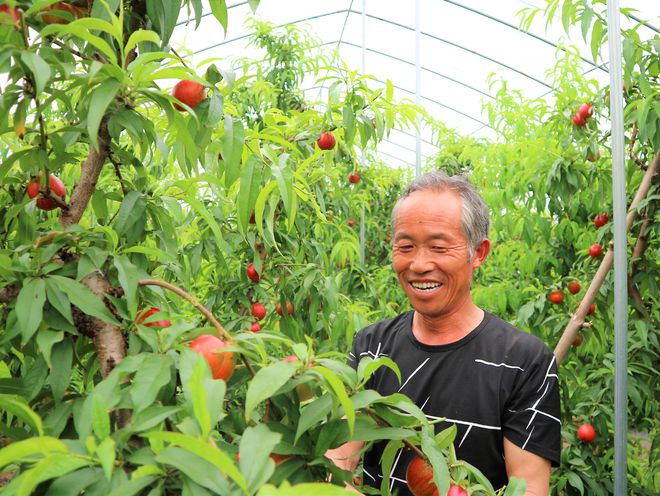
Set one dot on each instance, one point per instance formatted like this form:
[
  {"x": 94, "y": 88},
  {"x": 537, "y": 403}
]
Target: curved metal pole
[
  {"x": 363, "y": 220},
  {"x": 418, "y": 85},
  {"x": 620, "y": 252}
]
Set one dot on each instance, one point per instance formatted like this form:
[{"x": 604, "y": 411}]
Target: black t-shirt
[{"x": 497, "y": 381}]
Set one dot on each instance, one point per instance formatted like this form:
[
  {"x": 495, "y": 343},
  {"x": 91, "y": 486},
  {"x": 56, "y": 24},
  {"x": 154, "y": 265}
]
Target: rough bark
[
  {"x": 85, "y": 187},
  {"x": 577, "y": 320},
  {"x": 637, "y": 254},
  {"x": 9, "y": 293},
  {"x": 108, "y": 339}
]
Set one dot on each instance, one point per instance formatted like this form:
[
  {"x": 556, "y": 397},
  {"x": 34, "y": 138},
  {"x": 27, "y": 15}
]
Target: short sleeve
[
  {"x": 357, "y": 349},
  {"x": 531, "y": 417}
]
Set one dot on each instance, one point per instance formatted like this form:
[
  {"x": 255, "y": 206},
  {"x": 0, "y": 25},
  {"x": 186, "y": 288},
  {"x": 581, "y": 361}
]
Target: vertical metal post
[
  {"x": 418, "y": 85},
  {"x": 364, "y": 69},
  {"x": 620, "y": 253}
]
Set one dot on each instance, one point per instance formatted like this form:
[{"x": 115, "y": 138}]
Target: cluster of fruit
[
  {"x": 584, "y": 112},
  {"x": 259, "y": 312},
  {"x": 55, "y": 186}
]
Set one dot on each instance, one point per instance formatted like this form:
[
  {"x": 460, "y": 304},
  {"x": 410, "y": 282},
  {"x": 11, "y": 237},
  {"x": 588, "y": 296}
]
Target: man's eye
[
  {"x": 404, "y": 247},
  {"x": 440, "y": 249}
]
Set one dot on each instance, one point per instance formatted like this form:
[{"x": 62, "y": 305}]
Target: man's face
[{"x": 430, "y": 253}]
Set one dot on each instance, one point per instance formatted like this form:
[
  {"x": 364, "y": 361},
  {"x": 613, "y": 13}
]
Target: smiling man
[{"x": 496, "y": 383}]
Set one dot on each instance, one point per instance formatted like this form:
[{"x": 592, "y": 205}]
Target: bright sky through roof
[{"x": 462, "y": 43}]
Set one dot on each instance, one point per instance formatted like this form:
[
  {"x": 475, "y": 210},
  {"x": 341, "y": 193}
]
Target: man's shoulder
[
  {"x": 383, "y": 330},
  {"x": 391, "y": 324},
  {"x": 505, "y": 335}
]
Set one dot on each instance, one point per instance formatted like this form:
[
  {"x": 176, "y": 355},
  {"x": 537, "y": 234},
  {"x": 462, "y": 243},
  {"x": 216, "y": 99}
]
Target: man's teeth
[{"x": 426, "y": 286}]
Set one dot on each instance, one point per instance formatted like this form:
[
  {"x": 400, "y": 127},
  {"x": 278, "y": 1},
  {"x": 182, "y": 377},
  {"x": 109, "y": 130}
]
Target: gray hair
[{"x": 475, "y": 222}]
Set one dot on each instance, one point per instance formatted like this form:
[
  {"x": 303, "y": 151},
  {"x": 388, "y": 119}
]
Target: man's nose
[{"x": 421, "y": 261}]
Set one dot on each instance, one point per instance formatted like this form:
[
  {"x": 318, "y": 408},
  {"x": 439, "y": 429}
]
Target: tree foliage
[{"x": 167, "y": 209}]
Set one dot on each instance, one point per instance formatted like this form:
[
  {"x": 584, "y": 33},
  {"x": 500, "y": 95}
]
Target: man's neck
[{"x": 446, "y": 329}]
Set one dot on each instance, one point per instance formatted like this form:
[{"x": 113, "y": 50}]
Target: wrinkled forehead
[{"x": 429, "y": 204}]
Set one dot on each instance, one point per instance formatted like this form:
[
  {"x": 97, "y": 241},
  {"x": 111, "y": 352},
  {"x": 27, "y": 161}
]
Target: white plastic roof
[{"x": 461, "y": 43}]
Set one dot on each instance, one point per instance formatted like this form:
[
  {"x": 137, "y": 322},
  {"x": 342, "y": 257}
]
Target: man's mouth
[{"x": 425, "y": 287}]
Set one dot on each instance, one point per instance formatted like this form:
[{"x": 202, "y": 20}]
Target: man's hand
[
  {"x": 526, "y": 465},
  {"x": 347, "y": 457}
]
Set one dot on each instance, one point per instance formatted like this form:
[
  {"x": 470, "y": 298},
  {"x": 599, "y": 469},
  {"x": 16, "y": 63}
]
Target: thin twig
[
  {"x": 637, "y": 254},
  {"x": 47, "y": 193},
  {"x": 218, "y": 327},
  {"x": 631, "y": 149},
  {"x": 383, "y": 423},
  {"x": 179, "y": 57},
  {"x": 116, "y": 163}
]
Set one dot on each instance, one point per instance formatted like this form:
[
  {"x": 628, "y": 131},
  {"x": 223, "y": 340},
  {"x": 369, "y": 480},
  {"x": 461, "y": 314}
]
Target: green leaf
[
  {"x": 60, "y": 374},
  {"x": 39, "y": 68},
  {"x": 232, "y": 143},
  {"x": 77, "y": 30},
  {"x": 58, "y": 300},
  {"x": 128, "y": 275},
  {"x": 367, "y": 430},
  {"x": 478, "y": 476},
  {"x": 30, "y": 307},
  {"x": 256, "y": 444},
  {"x": 84, "y": 299},
  {"x": 284, "y": 176},
  {"x": 74, "y": 483},
  {"x": 138, "y": 482},
  {"x": 216, "y": 108},
  {"x": 154, "y": 373},
  {"x": 349, "y": 123},
  {"x": 106, "y": 453},
  {"x": 587, "y": 16},
  {"x": 154, "y": 253},
  {"x": 311, "y": 488},
  {"x": 260, "y": 205},
  {"x": 163, "y": 14},
  {"x": 253, "y": 5},
  {"x": 249, "y": 191},
  {"x": 596, "y": 39},
  {"x": 21, "y": 450},
  {"x": 101, "y": 97},
  {"x": 130, "y": 218},
  {"x": 566, "y": 14},
  {"x": 198, "y": 394},
  {"x": 363, "y": 399},
  {"x": 446, "y": 437},
  {"x": 152, "y": 416},
  {"x": 51, "y": 467},
  {"x": 313, "y": 413},
  {"x": 18, "y": 407},
  {"x": 575, "y": 481},
  {"x": 214, "y": 456},
  {"x": 198, "y": 460},
  {"x": 516, "y": 487},
  {"x": 97, "y": 24},
  {"x": 340, "y": 391},
  {"x": 140, "y": 36},
  {"x": 208, "y": 217},
  {"x": 437, "y": 459},
  {"x": 100, "y": 417},
  {"x": 219, "y": 9},
  {"x": 387, "y": 460},
  {"x": 368, "y": 366},
  {"x": 266, "y": 382}
]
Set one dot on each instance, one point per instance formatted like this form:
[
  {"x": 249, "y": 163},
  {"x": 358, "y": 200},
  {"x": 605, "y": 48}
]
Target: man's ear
[{"x": 480, "y": 253}]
